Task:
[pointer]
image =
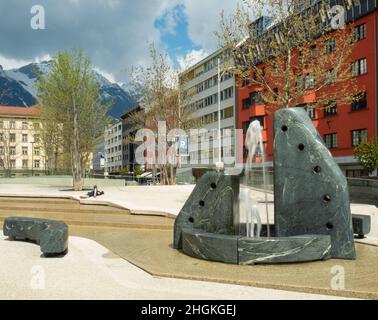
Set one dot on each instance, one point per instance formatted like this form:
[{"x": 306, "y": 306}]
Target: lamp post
[{"x": 32, "y": 143}]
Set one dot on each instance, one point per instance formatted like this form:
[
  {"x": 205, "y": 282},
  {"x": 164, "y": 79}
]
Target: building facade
[
  {"x": 342, "y": 127},
  {"x": 130, "y": 125},
  {"x": 201, "y": 83},
  {"x": 21, "y": 150},
  {"x": 113, "y": 148},
  {"x": 98, "y": 163}
]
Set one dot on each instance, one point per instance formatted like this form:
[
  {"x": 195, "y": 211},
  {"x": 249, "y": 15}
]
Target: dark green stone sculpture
[
  {"x": 52, "y": 236},
  {"x": 208, "y": 246},
  {"x": 311, "y": 192},
  {"x": 212, "y": 207},
  {"x": 249, "y": 251},
  {"x": 284, "y": 250}
]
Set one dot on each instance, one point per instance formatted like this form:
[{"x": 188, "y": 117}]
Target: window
[
  {"x": 330, "y": 76},
  {"x": 246, "y": 103},
  {"x": 209, "y": 83},
  {"x": 309, "y": 108},
  {"x": 211, "y": 64},
  {"x": 37, "y": 151},
  {"x": 360, "y": 102},
  {"x": 37, "y": 138},
  {"x": 226, "y": 76},
  {"x": 36, "y": 126},
  {"x": 311, "y": 112},
  {"x": 24, "y": 138},
  {"x": 12, "y": 151},
  {"x": 12, "y": 125},
  {"x": 309, "y": 81},
  {"x": 357, "y": 173},
  {"x": 12, "y": 137},
  {"x": 359, "y": 32},
  {"x": 199, "y": 87},
  {"x": 245, "y": 82},
  {"x": 359, "y": 67},
  {"x": 1, "y": 124},
  {"x": 227, "y": 113},
  {"x": 330, "y": 45},
  {"x": 1, "y": 150},
  {"x": 211, "y": 100},
  {"x": 24, "y": 151},
  {"x": 25, "y": 164},
  {"x": 37, "y": 164},
  {"x": 359, "y": 137},
  {"x": 1, "y": 136},
  {"x": 13, "y": 163},
  {"x": 227, "y": 94},
  {"x": 331, "y": 140},
  {"x": 256, "y": 98},
  {"x": 330, "y": 109},
  {"x": 314, "y": 52},
  {"x": 25, "y": 126}
]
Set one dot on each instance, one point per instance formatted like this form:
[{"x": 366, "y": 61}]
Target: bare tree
[
  {"x": 156, "y": 90},
  {"x": 7, "y": 148},
  {"x": 293, "y": 54}
]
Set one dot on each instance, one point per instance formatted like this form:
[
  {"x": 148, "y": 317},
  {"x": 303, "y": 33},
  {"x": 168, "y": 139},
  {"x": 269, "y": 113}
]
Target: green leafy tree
[
  {"x": 367, "y": 154},
  {"x": 70, "y": 101}
]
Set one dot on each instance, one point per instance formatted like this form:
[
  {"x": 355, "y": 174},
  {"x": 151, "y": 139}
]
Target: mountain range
[{"x": 18, "y": 88}]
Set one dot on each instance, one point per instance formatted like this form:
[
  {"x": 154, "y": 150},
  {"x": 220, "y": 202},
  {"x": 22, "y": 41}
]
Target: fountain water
[{"x": 254, "y": 142}]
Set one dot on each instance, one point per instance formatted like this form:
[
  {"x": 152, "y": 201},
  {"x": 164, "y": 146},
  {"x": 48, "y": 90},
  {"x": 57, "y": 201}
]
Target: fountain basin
[{"x": 250, "y": 251}]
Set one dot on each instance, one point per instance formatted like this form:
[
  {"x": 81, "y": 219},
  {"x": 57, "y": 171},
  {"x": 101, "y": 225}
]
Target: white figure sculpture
[{"x": 252, "y": 142}]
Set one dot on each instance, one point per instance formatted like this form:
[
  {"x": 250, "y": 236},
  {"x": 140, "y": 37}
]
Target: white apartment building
[
  {"x": 113, "y": 148},
  {"x": 201, "y": 83},
  {"x": 21, "y": 151}
]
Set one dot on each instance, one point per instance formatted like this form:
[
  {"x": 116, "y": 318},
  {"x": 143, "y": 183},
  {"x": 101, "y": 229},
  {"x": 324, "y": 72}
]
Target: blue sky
[{"x": 173, "y": 26}]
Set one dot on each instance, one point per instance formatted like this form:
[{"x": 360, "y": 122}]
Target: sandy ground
[{"x": 90, "y": 271}]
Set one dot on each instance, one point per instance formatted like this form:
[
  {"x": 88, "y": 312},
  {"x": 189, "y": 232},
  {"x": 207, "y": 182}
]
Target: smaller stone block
[
  {"x": 212, "y": 247},
  {"x": 284, "y": 250},
  {"x": 361, "y": 225}
]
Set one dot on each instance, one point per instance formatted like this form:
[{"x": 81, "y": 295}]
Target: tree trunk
[{"x": 77, "y": 163}]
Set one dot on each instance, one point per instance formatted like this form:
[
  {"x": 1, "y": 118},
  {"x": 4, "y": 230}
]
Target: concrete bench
[
  {"x": 51, "y": 236},
  {"x": 361, "y": 225}
]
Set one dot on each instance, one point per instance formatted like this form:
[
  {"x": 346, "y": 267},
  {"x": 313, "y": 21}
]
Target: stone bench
[{"x": 51, "y": 236}]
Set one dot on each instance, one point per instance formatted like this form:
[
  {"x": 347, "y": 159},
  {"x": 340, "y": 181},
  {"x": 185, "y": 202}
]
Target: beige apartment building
[{"x": 21, "y": 151}]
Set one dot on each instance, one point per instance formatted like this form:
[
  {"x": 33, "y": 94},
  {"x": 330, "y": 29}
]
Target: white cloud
[
  {"x": 191, "y": 58},
  {"x": 107, "y": 75},
  {"x": 203, "y": 19},
  {"x": 9, "y": 63}
]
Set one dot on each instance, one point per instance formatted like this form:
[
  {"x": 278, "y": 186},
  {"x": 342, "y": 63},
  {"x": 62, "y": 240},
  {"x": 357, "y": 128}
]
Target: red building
[{"x": 344, "y": 126}]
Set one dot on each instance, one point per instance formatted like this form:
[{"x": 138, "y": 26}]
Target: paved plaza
[{"x": 124, "y": 259}]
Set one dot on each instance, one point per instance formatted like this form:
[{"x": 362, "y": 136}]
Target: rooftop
[{"x": 19, "y": 111}]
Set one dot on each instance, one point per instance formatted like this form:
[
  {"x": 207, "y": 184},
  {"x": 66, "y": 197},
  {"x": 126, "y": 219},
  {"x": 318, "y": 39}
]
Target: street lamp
[
  {"x": 220, "y": 164},
  {"x": 32, "y": 143}
]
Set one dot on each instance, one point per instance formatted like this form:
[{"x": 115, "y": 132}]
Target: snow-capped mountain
[
  {"x": 18, "y": 88},
  {"x": 13, "y": 93}
]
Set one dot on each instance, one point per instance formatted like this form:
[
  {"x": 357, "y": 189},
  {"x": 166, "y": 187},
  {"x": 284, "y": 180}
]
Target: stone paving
[
  {"x": 90, "y": 271},
  {"x": 151, "y": 250}
]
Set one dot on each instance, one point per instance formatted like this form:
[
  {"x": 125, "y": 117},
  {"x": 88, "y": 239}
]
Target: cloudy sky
[{"x": 114, "y": 33}]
